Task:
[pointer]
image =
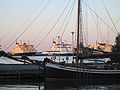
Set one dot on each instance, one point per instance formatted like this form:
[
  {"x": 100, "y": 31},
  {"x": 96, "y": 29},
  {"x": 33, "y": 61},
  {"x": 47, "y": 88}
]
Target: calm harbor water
[{"x": 40, "y": 84}]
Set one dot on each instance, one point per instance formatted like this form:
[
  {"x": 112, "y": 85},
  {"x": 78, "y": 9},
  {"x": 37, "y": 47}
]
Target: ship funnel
[
  {"x": 20, "y": 42},
  {"x": 28, "y": 42}
]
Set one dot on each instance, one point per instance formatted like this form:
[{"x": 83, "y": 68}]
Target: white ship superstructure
[
  {"x": 59, "y": 48},
  {"x": 102, "y": 47},
  {"x": 23, "y": 47}
]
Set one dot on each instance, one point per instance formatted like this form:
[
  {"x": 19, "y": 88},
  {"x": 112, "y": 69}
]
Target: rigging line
[
  {"x": 99, "y": 33},
  {"x": 49, "y": 21},
  {"x": 84, "y": 29},
  {"x": 64, "y": 21},
  {"x": 30, "y": 24},
  {"x": 24, "y": 23},
  {"x": 94, "y": 18},
  {"x": 86, "y": 25},
  {"x": 108, "y": 34},
  {"x": 62, "y": 24},
  {"x": 53, "y": 25},
  {"x": 97, "y": 25},
  {"x": 70, "y": 12},
  {"x": 118, "y": 21},
  {"x": 99, "y": 18},
  {"x": 110, "y": 16}
]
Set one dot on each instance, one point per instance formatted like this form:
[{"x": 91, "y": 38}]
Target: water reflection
[
  {"x": 22, "y": 84},
  {"x": 41, "y": 84},
  {"x": 83, "y": 85}
]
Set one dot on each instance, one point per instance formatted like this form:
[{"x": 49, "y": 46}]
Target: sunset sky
[{"x": 37, "y": 17}]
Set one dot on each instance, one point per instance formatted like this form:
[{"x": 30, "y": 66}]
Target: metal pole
[
  {"x": 59, "y": 46},
  {"x": 72, "y": 41},
  {"x": 73, "y": 45}
]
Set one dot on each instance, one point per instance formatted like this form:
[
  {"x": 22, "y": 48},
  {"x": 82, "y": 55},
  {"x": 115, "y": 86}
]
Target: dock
[{"x": 21, "y": 71}]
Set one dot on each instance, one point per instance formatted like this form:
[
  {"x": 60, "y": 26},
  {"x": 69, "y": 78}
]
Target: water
[
  {"x": 21, "y": 84},
  {"x": 83, "y": 85},
  {"x": 40, "y": 84}
]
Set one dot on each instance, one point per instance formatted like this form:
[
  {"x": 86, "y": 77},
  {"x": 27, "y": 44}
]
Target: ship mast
[{"x": 79, "y": 31}]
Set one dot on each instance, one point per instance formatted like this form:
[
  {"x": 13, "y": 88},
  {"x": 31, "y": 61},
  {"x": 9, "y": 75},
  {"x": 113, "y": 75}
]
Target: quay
[{"x": 21, "y": 71}]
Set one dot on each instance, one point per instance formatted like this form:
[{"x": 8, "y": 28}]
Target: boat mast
[{"x": 79, "y": 31}]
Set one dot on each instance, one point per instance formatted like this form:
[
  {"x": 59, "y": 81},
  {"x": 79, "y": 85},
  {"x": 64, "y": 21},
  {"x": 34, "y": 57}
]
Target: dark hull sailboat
[{"x": 54, "y": 71}]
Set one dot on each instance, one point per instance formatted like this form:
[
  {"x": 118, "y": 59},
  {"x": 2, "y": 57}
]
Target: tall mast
[
  {"x": 80, "y": 22},
  {"x": 79, "y": 30}
]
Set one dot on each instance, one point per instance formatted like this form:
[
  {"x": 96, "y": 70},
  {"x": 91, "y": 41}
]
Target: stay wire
[
  {"x": 99, "y": 18},
  {"x": 85, "y": 33},
  {"x": 99, "y": 33},
  {"x": 70, "y": 12},
  {"x": 110, "y": 16},
  {"x": 29, "y": 25},
  {"x": 117, "y": 21},
  {"x": 53, "y": 25},
  {"x": 86, "y": 36},
  {"x": 62, "y": 25},
  {"x": 48, "y": 21},
  {"x": 24, "y": 23},
  {"x": 64, "y": 21},
  {"x": 60, "y": 28}
]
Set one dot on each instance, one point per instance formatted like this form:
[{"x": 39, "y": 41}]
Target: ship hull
[{"x": 60, "y": 73}]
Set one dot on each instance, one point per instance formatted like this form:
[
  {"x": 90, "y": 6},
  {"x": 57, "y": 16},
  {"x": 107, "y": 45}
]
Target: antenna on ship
[{"x": 16, "y": 41}]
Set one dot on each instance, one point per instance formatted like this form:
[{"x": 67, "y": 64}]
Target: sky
[{"x": 36, "y": 18}]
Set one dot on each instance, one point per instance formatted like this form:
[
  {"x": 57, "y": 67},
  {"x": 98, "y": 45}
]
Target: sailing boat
[{"x": 54, "y": 70}]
